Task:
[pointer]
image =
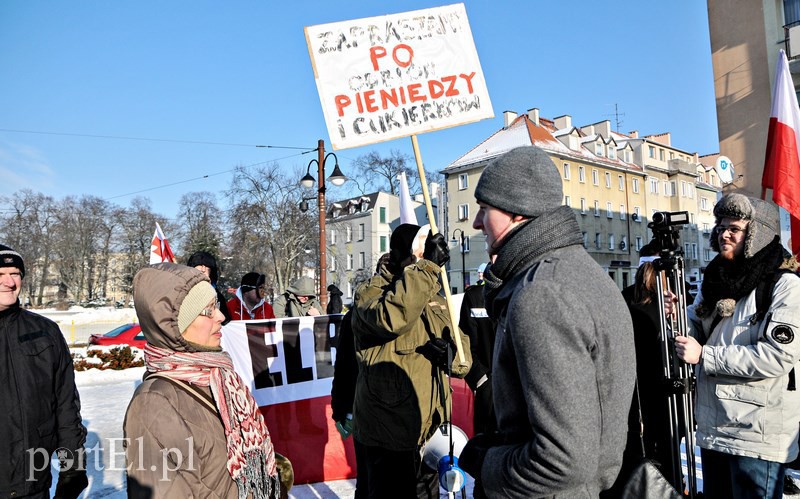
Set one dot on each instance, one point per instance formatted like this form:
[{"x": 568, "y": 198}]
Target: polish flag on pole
[
  {"x": 159, "y": 248},
  {"x": 407, "y": 215},
  {"x": 782, "y": 163}
]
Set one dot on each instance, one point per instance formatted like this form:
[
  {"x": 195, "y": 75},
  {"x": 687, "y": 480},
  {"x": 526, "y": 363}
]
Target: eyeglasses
[
  {"x": 731, "y": 229},
  {"x": 209, "y": 311}
]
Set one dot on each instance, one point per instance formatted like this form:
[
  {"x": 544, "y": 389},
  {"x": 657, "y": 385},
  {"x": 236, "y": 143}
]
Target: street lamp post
[
  {"x": 337, "y": 179},
  {"x": 463, "y": 265}
]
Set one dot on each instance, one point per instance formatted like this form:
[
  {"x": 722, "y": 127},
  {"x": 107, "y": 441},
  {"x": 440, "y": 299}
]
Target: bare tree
[
  {"x": 373, "y": 172},
  {"x": 201, "y": 223},
  {"x": 137, "y": 224},
  {"x": 268, "y": 230}
]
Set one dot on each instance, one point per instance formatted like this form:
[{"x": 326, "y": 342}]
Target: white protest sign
[{"x": 382, "y": 78}]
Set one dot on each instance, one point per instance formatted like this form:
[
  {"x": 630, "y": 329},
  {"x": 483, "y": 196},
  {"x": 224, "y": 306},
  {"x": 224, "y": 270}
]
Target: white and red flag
[
  {"x": 159, "y": 248},
  {"x": 782, "y": 163}
]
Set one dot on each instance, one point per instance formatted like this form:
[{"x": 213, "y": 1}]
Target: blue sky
[{"x": 189, "y": 73}]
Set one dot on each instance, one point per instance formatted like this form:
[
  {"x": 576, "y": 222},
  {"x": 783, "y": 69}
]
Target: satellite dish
[{"x": 725, "y": 169}]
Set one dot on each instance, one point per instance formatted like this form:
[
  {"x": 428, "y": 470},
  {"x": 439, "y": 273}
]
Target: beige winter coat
[{"x": 175, "y": 443}]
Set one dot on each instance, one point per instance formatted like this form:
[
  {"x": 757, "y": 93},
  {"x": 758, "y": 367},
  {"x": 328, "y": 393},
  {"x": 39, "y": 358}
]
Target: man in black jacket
[{"x": 41, "y": 409}]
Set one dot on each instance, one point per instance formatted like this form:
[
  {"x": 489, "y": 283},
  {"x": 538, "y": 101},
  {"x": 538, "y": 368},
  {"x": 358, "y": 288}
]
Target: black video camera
[{"x": 665, "y": 226}]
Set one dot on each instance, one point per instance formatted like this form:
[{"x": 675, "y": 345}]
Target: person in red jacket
[{"x": 249, "y": 303}]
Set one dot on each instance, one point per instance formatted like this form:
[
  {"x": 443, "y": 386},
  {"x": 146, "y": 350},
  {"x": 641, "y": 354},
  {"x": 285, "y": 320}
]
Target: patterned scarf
[
  {"x": 526, "y": 245},
  {"x": 251, "y": 458}
]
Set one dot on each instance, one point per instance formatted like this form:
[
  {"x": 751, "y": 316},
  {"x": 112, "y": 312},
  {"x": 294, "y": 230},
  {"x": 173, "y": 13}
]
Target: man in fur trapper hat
[{"x": 743, "y": 341}]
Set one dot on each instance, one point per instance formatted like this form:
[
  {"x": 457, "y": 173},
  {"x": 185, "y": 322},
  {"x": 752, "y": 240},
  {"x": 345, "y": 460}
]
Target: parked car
[{"x": 128, "y": 334}]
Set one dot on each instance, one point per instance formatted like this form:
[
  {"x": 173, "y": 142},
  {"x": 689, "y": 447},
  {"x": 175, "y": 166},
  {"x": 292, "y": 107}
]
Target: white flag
[{"x": 407, "y": 215}]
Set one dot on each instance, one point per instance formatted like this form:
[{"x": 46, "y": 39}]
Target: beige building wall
[{"x": 746, "y": 36}]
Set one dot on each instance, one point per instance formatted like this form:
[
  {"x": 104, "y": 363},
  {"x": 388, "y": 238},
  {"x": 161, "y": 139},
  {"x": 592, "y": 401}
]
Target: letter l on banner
[{"x": 782, "y": 162}]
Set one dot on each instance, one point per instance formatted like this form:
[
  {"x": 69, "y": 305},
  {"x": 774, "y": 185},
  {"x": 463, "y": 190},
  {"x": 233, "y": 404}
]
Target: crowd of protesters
[{"x": 549, "y": 346}]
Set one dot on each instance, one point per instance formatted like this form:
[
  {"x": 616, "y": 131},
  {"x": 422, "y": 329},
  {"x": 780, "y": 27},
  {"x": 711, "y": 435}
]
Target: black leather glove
[
  {"x": 438, "y": 351},
  {"x": 436, "y": 249},
  {"x": 473, "y": 454},
  {"x": 71, "y": 484}
]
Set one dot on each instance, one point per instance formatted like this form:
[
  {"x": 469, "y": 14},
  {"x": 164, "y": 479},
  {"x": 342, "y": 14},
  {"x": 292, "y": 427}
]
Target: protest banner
[
  {"x": 386, "y": 77},
  {"x": 288, "y": 366}
]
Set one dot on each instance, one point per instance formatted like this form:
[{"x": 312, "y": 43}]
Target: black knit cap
[
  {"x": 253, "y": 280},
  {"x": 402, "y": 241},
  {"x": 10, "y": 258}
]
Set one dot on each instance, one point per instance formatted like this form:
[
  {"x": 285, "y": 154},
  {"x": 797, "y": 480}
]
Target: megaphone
[{"x": 436, "y": 456}]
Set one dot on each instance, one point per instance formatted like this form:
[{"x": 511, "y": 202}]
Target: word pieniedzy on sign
[{"x": 381, "y": 78}]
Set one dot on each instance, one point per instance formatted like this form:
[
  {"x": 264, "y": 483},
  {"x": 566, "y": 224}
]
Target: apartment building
[
  {"x": 358, "y": 232},
  {"x": 614, "y": 182}
]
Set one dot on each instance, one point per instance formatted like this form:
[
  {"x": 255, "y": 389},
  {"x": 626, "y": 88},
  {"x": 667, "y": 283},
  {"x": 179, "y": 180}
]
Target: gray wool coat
[{"x": 563, "y": 380}]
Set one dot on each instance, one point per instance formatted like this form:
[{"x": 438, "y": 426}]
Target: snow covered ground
[{"x": 105, "y": 396}]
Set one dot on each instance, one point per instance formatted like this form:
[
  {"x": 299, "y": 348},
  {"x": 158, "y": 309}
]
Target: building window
[
  {"x": 611, "y": 242},
  {"x": 382, "y": 244},
  {"x": 668, "y": 189},
  {"x": 349, "y": 262},
  {"x": 638, "y": 243},
  {"x": 362, "y": 260},
  {"x": 622, "y": 213},
  {"x": 583, "y": 206},
  {"x": 621, "y": 182},
  {"x": 466, "y": 244},
  {"x": 638, "y": 212},
  {"x": 566, "y": 171},
  {"x": 609, "y": 210},
  {"x": 686, "y": 250},
  {"x": 596, "y": 208},
  {"x": 651, "y": 152},
  {"x": 671, "y": 155},
  {"x": 598, "y": 148},
  {"x": 581, "y": 174},
  {"x": 597, "y": 240},
  {"x": 349, "y": 288},
  {"x": 707, "y": 255},
  {"x": 463, "y": 212},
  {"x": 333, "y": 264},
  {"x": 595, "y": 177},
  {"x": 612, "y": 153},
  {"x": 382, "y": 214},
  {"x": 661, "y": 154},
  {"x": 635, "y": 185},
  {"x": 608, "y": 180},
  {"x": 333, "y": 237},
  {"x": 348, "y": 234},
  {"x": 653, "y": 185},
  {"x": 360, "y": 232},
  {"x": 623, "y": 243},
  {"x": 567, "y": 201},
  {"x": 626, "y": 155},
  {"x": 585, "y": 236},
  {"x": 463, "y": 181},
  {"x": 694, "y": 251}
]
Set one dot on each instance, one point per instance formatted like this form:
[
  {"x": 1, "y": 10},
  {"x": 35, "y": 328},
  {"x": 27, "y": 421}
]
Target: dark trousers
[
  {"x": 395, "y": 474},
  {"x": 726, "y": 476}
]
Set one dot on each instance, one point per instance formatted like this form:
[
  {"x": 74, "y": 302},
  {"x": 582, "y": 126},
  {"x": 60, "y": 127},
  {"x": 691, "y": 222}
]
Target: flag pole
[{"x": 445, "y": 282}]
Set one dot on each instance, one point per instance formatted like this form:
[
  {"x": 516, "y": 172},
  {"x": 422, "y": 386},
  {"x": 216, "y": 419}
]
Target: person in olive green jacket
[
  {"x": 299, "y": 300},
  {"x": 401, "y": 329}
]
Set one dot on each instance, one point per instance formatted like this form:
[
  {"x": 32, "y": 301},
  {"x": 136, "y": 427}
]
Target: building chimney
[
  {"x": 634, "y": 134},
  {"x": 508, "y": 118},
  {"x": 563, "y": 122},
  {"x": 533, "y": 115}
]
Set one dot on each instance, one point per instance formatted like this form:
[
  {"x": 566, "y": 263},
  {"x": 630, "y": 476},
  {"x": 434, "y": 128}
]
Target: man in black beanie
[
  {"x": 403, "y": 344},
  {"x": 207, "y": 264},
  {"x": 41, "y": 408},
  {"x": 564, "y": 363}
]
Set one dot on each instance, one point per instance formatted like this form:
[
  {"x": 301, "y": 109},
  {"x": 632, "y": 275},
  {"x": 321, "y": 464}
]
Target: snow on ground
[{"x": 105, "y": 396}]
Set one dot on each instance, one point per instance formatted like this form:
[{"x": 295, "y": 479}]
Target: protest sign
[
  {"x": 385, "y": 77},
  {"x": 288, "y": 366}
]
